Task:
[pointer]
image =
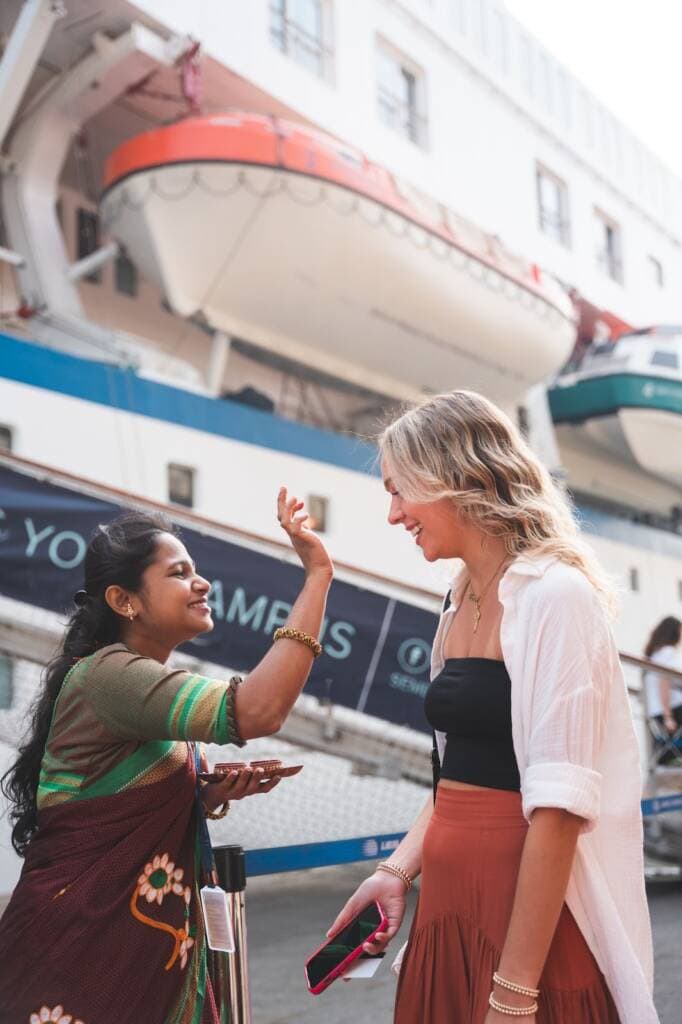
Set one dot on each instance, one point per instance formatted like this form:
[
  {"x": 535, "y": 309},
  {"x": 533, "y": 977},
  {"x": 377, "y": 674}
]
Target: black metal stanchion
[{"x": 231, "y": 868}]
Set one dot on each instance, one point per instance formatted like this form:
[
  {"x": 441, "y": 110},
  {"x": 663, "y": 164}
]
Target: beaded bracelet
[
  {"x": 393, "y": 869},
  {"x": 287, "y": 633},
  {"x": 513, "y": 1011},
  {"x": 522, "y": 990},
  {"x": 233, "y": 735}
]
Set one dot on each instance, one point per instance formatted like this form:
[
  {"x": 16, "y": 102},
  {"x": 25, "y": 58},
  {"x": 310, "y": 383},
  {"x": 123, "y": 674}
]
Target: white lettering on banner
[
  {"x": 279, "y": 613},
  {"x": 68, "y": 537},
  {"x": 337, "y": 633},
  {"x": 266, "y": 615},
  {"x": 408, "y": 685},
  {"x": 35, "y": 538},
  {"x": 414, "y": 655},
  {"x": 238, "y": 609},
  {"x": 55, "y": 555}
]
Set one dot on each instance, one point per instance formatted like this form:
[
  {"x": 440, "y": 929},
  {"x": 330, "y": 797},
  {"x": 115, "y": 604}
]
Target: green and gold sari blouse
[{"x": 118, "y": 722}]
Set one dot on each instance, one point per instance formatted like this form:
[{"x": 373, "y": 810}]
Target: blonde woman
[{"x": 532, "y": 901}]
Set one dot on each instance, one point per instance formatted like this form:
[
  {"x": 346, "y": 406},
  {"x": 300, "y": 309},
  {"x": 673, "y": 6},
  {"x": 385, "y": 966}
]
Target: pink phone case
[{"x": 345, "y": 964}]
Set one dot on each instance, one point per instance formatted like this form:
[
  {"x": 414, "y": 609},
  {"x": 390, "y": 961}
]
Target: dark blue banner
[{"x": 376, "y": 650}]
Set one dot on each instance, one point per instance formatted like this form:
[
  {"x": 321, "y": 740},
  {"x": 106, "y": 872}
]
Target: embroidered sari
[{"x": 104, "y": 926}]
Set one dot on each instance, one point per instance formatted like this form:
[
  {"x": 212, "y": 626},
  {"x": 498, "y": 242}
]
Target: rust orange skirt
[{"x": 470, "y": 862}]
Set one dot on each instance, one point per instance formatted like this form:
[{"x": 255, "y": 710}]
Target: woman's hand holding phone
[{"x": 390, "y": 893}]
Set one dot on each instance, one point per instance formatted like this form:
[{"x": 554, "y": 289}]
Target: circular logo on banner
[
  {"x": 649, "y": 390},
  {"x": 414, "y": 656},
  {"x": 370, "y": 848}
]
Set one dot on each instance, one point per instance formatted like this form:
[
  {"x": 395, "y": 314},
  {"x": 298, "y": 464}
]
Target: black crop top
[{"x": 470, "y": 701}]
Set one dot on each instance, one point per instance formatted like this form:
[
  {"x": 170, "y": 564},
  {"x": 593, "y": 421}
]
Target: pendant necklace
[{"x": 478, "y": 599}]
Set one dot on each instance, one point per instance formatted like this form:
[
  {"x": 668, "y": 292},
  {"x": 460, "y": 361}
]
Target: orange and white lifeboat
[{"x": 281, "y": 235}]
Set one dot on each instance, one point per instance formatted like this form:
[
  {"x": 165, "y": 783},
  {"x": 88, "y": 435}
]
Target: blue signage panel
[{"x": 376, "y": 649}]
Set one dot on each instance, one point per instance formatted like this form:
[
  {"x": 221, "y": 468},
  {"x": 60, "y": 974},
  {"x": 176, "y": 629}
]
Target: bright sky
[{"x": 627, "y": 52}]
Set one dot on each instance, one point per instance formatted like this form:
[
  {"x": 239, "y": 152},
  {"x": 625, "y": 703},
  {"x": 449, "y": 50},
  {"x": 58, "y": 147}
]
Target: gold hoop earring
[{"x": 129, "y": 612}]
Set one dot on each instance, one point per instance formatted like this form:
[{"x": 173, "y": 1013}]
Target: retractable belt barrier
[
  {"x": 278, "y": 859},
  {"x": 231, "y": 869}
]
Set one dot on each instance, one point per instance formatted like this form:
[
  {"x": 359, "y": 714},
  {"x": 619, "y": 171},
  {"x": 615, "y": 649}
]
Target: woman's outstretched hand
[
  {"x": 235, "y": 786},
  {"x": 390, "y": 893},
  {"x": 306, "y": 544}
]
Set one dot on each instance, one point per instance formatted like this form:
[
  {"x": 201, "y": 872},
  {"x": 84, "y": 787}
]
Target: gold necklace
[{"x": 479, "y": 600}]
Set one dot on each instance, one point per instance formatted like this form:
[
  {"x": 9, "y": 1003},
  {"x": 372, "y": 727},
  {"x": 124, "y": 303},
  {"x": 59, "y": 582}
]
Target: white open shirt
[{"x": 576, "y": 749}]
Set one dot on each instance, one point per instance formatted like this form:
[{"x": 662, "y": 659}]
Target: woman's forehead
[
  {"x": 171, "y": 549},
  {"x": 386, "y": 470}
]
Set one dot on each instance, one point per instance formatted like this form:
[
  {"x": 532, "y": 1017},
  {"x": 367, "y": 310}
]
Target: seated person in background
[{"x": 664, "y": 693}]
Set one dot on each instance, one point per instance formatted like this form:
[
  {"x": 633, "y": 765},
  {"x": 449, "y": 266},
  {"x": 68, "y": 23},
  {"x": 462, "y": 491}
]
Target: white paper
[
  {"x": 363, "y": 967},
  {"x": 216, "y": 910}
]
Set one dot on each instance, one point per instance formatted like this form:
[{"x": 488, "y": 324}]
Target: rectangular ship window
[
  {"x": 634, "y": 580},
  {"x": 181, "y": 485},
  {"x": 609, "y": 246},
  {"x": 401, "y": 94},
  {"x": 302, "y": 29},
  {"x": 5, "y": 438},
  {"x": 667, "y": 359},
  {"x": 317, "y": 508},
  {"x": 552, "y": 196}
]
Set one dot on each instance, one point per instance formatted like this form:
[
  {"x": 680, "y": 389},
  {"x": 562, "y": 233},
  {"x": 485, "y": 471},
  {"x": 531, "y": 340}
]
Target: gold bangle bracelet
[
  {"x": 287, "y": 633},
  {"x": 513, "y": 1011},
  {"x": 217, "y": 815},
  {"x": 522, "y": 990},
  {"x": 393, "y": 869}
]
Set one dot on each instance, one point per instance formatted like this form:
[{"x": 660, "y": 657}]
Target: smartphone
[{"x": 337, "y": 954}]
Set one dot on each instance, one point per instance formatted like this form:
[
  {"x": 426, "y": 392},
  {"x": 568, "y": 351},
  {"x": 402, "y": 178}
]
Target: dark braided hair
[{"x": 117, "y": 554}]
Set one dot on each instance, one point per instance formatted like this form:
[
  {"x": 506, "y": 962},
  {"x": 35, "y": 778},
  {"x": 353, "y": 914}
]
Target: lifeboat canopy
[{"x": 283, "y": 236}]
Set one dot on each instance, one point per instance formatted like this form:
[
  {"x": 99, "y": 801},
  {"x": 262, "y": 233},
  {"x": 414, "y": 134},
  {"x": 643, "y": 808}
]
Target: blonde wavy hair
[{"x": 461, "y": 446}]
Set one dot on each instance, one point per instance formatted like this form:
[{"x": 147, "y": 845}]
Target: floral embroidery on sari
[
  {"x": 56, "y": 1016},
  {"x": 158, "y": 879}
]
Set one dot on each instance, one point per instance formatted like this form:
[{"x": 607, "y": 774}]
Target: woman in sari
[
  {"x": 105, "y": 924},
  {"x": 532, "y": 902}
]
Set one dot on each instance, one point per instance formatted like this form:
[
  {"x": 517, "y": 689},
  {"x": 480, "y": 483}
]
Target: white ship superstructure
[{"x": 400, "y": 198}]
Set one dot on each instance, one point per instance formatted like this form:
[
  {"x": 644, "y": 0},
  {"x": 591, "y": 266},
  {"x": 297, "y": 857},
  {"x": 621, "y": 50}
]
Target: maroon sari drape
[{"x": 104, "y": 920}]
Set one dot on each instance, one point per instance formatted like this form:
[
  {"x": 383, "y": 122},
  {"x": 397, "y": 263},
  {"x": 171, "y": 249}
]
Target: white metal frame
[{"x": 41, "y": 143}]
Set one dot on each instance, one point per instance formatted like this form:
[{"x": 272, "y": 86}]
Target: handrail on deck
[{"x": 650, "y": 666}]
